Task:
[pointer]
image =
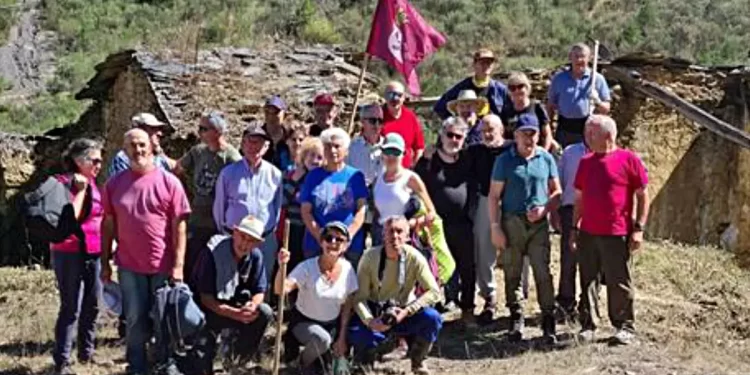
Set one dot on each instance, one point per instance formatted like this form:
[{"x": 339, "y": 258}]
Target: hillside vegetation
[{"x": 528, "y": 33}]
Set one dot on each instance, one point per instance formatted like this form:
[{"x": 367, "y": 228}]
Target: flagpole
[{"x": 359, "y": 90}]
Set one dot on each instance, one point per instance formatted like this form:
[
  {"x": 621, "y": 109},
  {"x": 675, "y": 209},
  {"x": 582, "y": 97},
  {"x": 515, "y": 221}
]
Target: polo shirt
[
  {"x": 526, "y": 180},
  {"x": 571, "y": 95}
]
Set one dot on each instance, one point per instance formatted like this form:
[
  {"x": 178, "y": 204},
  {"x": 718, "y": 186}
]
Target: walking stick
[
  {"x": 362, "y": 72},
  {"x": 282, "y": 296},
  {"x": 592, "y": 108}
]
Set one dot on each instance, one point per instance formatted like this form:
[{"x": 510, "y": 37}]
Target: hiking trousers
[
  {"x": 80, "y": 287},
  {"x": 608, "y": 255},
  {"x": 460, "y": 239},
  {"x": 566, "y": 290}
]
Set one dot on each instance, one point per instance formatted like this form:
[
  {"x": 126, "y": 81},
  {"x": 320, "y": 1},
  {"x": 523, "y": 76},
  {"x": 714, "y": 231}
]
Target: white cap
[{"x": 146, "y": 119}]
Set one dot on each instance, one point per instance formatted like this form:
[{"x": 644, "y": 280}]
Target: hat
[
  {"x": 527, "y": 121},
  {"x": 146, "y": 119},
  {"x": 276, "y": 101},
  {"x": 251, "y": 226},
  {"x": 394, "y": 141},
  {"x": 370, "y": 111},
  {"x": 484, "y": 53},
  {"x": 112, "y": 297},
  {"x": 467, "y": 96},
  {"x": 255, "y": 129},
  {"x": 324, "y": 99},
  {"x": 338, "y": 226},
  {"x": 216, "y": 120}
]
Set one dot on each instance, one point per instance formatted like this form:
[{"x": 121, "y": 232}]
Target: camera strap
[{"x": 401, "y": 270}]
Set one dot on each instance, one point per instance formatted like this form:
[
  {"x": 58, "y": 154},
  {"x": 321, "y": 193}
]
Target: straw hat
[{"x": 468, "y": 96}]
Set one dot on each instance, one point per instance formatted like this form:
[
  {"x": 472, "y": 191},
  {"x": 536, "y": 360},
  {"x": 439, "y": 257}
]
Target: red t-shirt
[
  {"x": 409, "y": 128},
  {"x": 608, "y": 183}
]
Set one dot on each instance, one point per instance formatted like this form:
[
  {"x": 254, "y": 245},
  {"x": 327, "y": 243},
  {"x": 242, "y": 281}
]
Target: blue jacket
[{"x": 496, "y": 93}]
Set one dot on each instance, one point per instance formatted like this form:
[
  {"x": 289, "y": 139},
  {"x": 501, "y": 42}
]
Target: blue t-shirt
[
  {"x": 334, "y": 197},
  {"x": 526, "y": 181}
]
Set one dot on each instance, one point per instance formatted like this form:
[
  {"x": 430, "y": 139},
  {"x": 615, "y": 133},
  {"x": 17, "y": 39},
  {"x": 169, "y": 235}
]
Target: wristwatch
[{"x": 638, "y": 227}]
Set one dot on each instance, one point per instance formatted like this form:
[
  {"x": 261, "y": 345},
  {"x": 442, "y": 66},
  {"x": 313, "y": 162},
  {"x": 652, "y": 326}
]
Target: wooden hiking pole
[
  {"x": 592, "y": 108},
  {"x": 282, "y": 296},
  {"x": 363, "y": 71}
]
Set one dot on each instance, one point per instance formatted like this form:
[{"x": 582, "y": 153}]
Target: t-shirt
[
  {"x": 144, "y": 208},
  {"x": 409, "y": 128},
  {"x": 571, "y": 95},
  {"x": 449, "y": 186},
  {"x": 250, "y": 275},
  {"x": 316, "y": 130},
  {"x": 204, "y": 166},
  {"x": 291, "y": 197},
  {"x": 526, "y": 180},
  {"x": 318, "y": 299},
  {"x": 482, "y": 161},
  {"x": 608, "y": 183},
  {"x": 334, "y": 197},
  {"x": 510, "y": 115}
]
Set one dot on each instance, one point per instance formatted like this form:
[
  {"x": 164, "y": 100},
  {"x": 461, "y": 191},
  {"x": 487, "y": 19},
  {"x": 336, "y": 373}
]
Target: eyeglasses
[
  {"x": 455, "y": 136},
  {"x": 393, "y": 95},
  {"x": 516, "y": 87},
  {"x": 334, "y": 239},
  {"x": 392, "y": 152}
]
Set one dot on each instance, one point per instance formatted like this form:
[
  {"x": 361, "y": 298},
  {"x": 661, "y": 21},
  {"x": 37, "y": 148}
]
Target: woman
[
  {"x": 308, "y": 156},
  {"x": 394, "y": 187},
  {"x": 448, "y": 178},
  {"x": 334, "y": 192},
  {"x": 326, "y": 285},
  {"x": 77, "y": 269},
  {"x": 521, "y": 102}
]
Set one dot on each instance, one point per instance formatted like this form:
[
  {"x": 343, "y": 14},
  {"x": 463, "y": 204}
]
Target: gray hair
[
  {"x": 456, "y": 123},
  {"x": 582, "y": 47},
  {"x": 78, "y": 149},
  {"x": 216, "y": 120},
  {"x": 331, "y": 134},
  {"x": 605, "y": 123},
  {"x": 395, "y": 219}
]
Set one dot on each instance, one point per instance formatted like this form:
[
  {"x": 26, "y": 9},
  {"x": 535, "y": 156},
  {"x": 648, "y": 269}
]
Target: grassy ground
[{"x": 692, "y": 306}]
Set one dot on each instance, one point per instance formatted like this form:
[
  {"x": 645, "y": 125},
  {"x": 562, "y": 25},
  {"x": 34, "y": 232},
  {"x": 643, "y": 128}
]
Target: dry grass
[{"x": 692, "y": 305}]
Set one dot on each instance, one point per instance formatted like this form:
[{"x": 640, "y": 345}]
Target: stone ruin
[{"x": 697, "y": 187}]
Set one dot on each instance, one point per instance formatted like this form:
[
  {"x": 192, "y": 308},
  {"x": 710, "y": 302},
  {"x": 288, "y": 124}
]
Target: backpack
[
  {"x": 180, "y": 318},
  {"x": 48, "y": 213}
]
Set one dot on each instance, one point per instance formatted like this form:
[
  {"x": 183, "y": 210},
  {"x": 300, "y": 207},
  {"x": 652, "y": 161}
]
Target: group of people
[{"x": 383, "y": 235}]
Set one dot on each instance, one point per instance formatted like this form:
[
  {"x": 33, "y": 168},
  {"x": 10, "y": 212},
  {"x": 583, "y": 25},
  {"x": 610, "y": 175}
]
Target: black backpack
[{"x": 48, "y": 213}]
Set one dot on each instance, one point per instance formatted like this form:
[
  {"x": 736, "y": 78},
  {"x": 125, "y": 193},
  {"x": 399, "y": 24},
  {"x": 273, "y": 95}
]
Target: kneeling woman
[{"x": 326, "y": 286}]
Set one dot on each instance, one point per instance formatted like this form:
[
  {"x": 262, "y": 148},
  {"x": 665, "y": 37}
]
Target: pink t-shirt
[
  {"x": 608, "y": 183},
  {"x": 91, "y": 224},
  {"x": 144, "y": 207}
]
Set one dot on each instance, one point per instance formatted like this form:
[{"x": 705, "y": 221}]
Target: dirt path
[{"x": 26, "y": 60}]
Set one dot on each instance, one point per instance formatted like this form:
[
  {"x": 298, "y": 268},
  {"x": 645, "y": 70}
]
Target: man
[
  {"x": 562, "y": 220},
  {"x": 326, "y": 111},
  {"x": 278, "y": 152},
  {"x": 605, "y": 234},
  {"x": 571, "y": 96},
  {"x": 154, "y": 128},
  {"x": 251, "y": 186},
  {"x": 481, "y": 83},
  {"x": 447, "y": 175},
  {"x": 467, "y": 106},
  {"x": 399, "y": 119},
  {"x": 524, "y": 189},
  {"x": 145, "y": 210},
  {"x": 231, "y": 284},
  {"x": 204, "y": 162},
  {"x": 390, "y": 273}
]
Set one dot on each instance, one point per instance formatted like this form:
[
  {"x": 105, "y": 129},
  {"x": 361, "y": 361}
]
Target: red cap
[{"x": 324, "y": 99}]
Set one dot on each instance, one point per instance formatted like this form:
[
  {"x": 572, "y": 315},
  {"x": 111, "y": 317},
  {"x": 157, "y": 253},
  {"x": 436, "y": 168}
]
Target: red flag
[{"x": 402, "y": 38}]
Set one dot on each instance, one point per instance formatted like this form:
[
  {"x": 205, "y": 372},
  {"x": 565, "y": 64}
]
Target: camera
[
  {"x": 242, "y": 298},
  {"x": 389, "y": 313}
]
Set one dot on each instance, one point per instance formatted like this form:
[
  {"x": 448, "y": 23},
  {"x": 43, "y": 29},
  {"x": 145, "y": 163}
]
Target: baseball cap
[
  {"x": 251, "y": 226},
  {"x": 337, "y": 226},
  {"x": 276, "y": 101},
  {"x": 255, "y": 128},
  {"x": 527, "y": 121},
  {"x": 324, "y": 99},
  {"x": 393, "y": 141},
  {"x": 215, "y": 119},
  {"x": 484, "y": 53},
  {"x": 146, "y": 119},
  {"x": 370, "y": 111}
]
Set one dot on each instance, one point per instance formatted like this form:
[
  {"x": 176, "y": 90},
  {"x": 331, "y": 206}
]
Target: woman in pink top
[{"x": 77, "y": 269}]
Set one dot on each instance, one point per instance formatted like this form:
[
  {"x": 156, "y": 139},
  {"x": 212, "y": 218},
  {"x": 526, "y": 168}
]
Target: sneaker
[
  {"x": 516, "y": 328},
  {"x": 486, "y": 317},
  {"x": 586, "y": 336},
  {"x": 622, "y": 337},
  {"x": 64, "y": 369}
]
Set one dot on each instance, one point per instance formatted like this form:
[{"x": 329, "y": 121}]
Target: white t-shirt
[{"x": 318, "y": 299}]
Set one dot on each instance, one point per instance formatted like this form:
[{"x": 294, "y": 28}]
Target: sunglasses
[
  {"x": 393, "y": 95},
  {"x": 455, "y": 136},
  {"x": 96, "y": 161},
  {"x": 516, "y": 87},
  {"x": 330, "y": 238},
  {"x": 374, "y": 121},
  {"x": 392, "y": 152},
  {"x": 202, "y": 129}
]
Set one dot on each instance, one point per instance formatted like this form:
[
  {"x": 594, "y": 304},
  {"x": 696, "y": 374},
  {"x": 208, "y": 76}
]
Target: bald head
[
  {"x": 139, "y": 149},
  {"x": 394, "y": 86},
  {"x": 492, "y": 130},
  {"x": 394, "y": 97}
]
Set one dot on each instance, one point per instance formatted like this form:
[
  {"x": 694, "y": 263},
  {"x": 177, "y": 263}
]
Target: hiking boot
[
  {"x": 516, "y": 327},
  {"x": 64, "y": 369},
  {"x": 586, "y": 336},
  {"x": 622, "y": 337},
  {"x": 419, "y": 351},
  {"x": 468, "y": 320},
  {"x": 548, "y": 329},
  {"x": 486, "y": 317}
]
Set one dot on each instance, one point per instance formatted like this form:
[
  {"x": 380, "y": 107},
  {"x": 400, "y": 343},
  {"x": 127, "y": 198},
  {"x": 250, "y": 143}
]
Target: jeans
[
  {"x": 80, "y": 287},
  {"x": 138, "y": 299},
  {"x": 425, "y": 324},
  {"x": 269, "y": 247}
]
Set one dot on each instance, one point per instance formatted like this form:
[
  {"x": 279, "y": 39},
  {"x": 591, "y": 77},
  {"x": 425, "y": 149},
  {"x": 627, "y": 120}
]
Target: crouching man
[
  {"x": 231, "y": 281},
  {"x": 387, "y": 275}
]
